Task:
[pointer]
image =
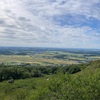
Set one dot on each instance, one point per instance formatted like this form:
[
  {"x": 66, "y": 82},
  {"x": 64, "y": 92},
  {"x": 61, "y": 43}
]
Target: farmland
[
  {"x": 46, "y": 57},
  {"x": 15, "y": 59}
]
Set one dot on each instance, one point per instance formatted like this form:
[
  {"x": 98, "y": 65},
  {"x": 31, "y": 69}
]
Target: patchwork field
[
  {"x": 15, "y": 59},
  {"x": 46, "y": 56}
]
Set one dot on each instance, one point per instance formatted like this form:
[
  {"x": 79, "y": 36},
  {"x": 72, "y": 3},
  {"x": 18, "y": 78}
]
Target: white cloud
[{"x": 30, "y": 23}]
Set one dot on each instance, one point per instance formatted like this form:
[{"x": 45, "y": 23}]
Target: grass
[
  {"x": 84, "y": 85},
  {"x": 22, "y": 89},
  {"x": 81, "y": 86}
]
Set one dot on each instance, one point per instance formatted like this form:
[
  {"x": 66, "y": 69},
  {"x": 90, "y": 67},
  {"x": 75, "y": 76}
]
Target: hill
[{"x": 81, "y": 85}]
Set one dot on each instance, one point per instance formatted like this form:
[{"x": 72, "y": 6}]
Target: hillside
[{"x": 84, "y": 85}]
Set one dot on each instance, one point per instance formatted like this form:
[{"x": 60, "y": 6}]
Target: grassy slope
[
  {"x": 84, "y": 85},
  {"x": 23, "y": 89}
]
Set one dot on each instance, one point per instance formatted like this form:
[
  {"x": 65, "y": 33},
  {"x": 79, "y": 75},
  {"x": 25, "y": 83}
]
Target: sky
[{"x": 50, "y": 23}]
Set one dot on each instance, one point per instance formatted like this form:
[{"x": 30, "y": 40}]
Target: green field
[
  {"x": 33, "y": 60},
  {"x": 48, "y": 58}
]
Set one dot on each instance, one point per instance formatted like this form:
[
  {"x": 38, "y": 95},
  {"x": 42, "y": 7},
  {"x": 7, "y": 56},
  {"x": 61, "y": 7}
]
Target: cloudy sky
[{"x": 50, "y": 23}]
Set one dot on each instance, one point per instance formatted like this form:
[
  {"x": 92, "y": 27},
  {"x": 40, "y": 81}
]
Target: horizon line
[{"x": 49, "y": 47}]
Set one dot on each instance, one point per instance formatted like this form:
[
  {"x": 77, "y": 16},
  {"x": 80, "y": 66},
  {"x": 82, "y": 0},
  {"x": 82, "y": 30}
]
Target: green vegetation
[
  {"x": 73, "y": 82},
  {"x": 27, "y": 71}
]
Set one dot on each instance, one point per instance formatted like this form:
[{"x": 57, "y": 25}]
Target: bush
[{"x": 84, "y": 86}]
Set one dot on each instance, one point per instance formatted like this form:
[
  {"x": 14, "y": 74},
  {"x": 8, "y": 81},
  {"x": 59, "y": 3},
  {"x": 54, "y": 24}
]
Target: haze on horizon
[{"x": 50, "y": 23}]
